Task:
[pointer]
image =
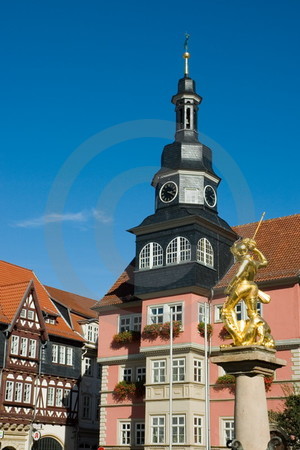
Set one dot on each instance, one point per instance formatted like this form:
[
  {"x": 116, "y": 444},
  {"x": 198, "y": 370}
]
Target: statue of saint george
[{"x": 254, "y": 330}]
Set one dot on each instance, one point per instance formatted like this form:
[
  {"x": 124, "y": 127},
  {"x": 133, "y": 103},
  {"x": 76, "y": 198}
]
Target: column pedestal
[{"x": 250, "y": 365}]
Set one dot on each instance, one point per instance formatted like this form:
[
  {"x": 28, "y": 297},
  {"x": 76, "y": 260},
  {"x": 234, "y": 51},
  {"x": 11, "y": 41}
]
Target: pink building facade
[{"x": 154, "y": 394}]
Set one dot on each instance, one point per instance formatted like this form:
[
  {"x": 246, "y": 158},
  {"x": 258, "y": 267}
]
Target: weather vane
[
  {"x": 186, "y": 55},
  {"x": 185, "y": 45}
]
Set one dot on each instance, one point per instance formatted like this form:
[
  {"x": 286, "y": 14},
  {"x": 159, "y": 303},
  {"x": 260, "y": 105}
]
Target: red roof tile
[
  {"x": 74, "y": 302},
  {"x": 12, "y": 274},
  {"x": 10, "y": 298},
  {"x": 278, "y": 239},
  {"x": 122, "y": 290},
  {"x": 14, "y": 281},
  {"x": 75, "y": 322}
]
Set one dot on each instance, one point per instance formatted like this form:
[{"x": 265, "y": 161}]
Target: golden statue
[{"x": 254, "y": 330}]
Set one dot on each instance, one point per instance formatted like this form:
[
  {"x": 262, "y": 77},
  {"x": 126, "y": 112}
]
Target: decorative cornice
[{"x": 182, "y": 221}]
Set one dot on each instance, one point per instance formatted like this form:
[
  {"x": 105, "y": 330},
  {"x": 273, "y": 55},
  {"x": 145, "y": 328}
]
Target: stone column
[{"x": 250, "y": 365}]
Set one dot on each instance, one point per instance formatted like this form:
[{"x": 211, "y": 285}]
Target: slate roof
[{"x": 278, "y": 239}]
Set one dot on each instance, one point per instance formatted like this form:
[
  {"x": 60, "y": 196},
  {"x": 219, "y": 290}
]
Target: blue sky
[{"x": 85, "y": 112}]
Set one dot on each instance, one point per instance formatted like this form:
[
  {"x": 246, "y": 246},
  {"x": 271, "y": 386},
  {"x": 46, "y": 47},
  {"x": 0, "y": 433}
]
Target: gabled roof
[
  {"x": 12, "y": 274},
  {"x": 14, "y": 281},
  {"x": 75, "y": 303},
  {"x": 122, "y": 290},
  {"x": 278, "y": 239}
]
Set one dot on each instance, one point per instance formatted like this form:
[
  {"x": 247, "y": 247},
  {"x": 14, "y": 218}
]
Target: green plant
[
  {"x": 229, "y": 381},
  {"x": 201, "y": 329},
  {"x": 126, "y": 337},
  {"x": 151, "y": 332},
  {"x": 124, "y": 390},
  {"x": 154, "y": 330},
  {"x": 224, "y": 334},
  {"x": 226, "y": 381},
  {"x": 165, "y": 330},
  {"x": 288, "y": 420}
]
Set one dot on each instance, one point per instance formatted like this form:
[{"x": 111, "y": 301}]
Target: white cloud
[
  {"x": 101, "y": 217},
  {"x": 77, "y": 218},
  {"x": 52, "y": 218}
]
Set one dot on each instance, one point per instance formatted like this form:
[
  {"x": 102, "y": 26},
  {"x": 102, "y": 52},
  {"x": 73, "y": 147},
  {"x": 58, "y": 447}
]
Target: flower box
[
  {"x": 125, "y": 338},
  {"x": 201, "y": 329},
  {"x": 154, "y": 330},
  {"x": 125, "y": 390}
]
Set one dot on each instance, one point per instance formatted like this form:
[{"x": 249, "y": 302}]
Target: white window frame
[
  {"x": 241, "y": 310},
  {"x": 54, "y": 353},
  {"x": 125, "y": 433},
  {"x": 23, "y": 313},
  {"x": 23, "y": 346},
  {"x": 140, "y": 374},
  {"x": 18, "y": 395},
  {"x": 30, "y": 314},
  {"x": 32, "y": 348},
  {"x": 178, "y": 423},
  {"x": 50, "y": 395},
  {"x": 139, "y": 433},
  {"x": 127, "y": 374},
  {"x": 27, "y": 393},
  {"x": 59, "y": 395},
  {"x": 92, "y": 332},
  {"x": 159, "y": 371},
  {"x": 151, "y": 256},
  {"x": 198, "y": 370},
  {"x": 69, "y": 356},
  {"x": 158, "y": 423},
  {"x": 205, "y": 252},
  {"x": 161, "y": 313},
  {"x": 198, "y": 429},
  {"x": 227, "y": 429},
  {"x": 87, "y": 366},
  {"x": 130, "y": 322},
  {"x": 14, "y": 348},
  {"x": 178, "y": 251},
  {"x": 62, "y": 355},
  {"x": 9, "y": 390},
  {"x": 178, "y": 370},
  {"x": 218, "y": 309},
  {"x": 156, "y": 314},
  {"x": 67, "y": 398}
]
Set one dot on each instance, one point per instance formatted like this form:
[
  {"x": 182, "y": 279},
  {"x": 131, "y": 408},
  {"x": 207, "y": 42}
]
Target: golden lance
[{"x": 259, "y": 224}]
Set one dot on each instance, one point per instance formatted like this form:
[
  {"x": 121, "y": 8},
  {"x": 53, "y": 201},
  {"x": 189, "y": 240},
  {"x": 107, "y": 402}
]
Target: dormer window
[
  {"x": 151, "y": 256},
  {"x": 50, "y": 319},
  {"x": 178, "y": 250},
  {"x": 205, "y": 252},
  {"x": 91, "y": 332}
]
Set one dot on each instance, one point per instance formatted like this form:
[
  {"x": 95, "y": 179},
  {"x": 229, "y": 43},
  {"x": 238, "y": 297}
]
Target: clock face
[
  {"x": 168, "y": 192},
  {"x": 210, "y": 196}
]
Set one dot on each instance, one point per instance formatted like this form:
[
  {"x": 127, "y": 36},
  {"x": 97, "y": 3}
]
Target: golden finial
[{"x": 186, "y": 55}]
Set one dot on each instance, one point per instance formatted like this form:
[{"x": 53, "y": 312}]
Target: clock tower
[{"x": 184, "y": 246}]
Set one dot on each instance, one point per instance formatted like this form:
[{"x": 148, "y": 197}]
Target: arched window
[
  {"x": 205, "y": 252},
  {"x": 151, "y": 256},
  {"x": 47, "y": 443},
  {"x": 178, "y": 250}
]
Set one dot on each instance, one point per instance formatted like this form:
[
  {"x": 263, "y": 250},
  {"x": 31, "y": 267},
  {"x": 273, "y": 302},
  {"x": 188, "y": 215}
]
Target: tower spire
[{"x": 186, "y": 55}]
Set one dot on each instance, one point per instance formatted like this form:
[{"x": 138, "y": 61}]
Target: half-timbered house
[{"x": 42, "y": 346}]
